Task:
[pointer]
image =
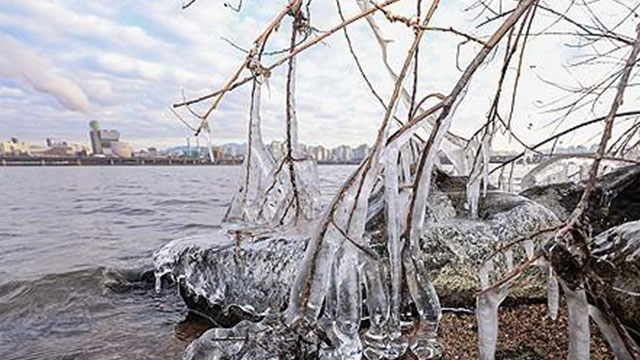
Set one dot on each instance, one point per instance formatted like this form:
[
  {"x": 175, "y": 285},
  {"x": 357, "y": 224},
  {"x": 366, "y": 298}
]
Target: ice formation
[
  {"x": 564, "y": 169},
  {"x": 387, "y": 228}
]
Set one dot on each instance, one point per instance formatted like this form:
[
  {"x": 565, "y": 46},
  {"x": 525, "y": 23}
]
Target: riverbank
[
  {"x": 114, "y": 161},
  {"x": 526, "y": 333}
]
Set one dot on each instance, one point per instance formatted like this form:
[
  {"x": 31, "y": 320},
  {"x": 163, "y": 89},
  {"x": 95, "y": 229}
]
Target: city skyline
[{"x": 70, "y": 68}]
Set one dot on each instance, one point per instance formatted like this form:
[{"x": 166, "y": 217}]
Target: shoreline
[{"x": 112, "y": 161}]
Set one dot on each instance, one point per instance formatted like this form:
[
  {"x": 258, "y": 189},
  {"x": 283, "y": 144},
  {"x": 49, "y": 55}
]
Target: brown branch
[
  {"x": 233, "y": 83},
  {"x": 513, "y": 274},
  {"x": 429, "y": 150},
  {"x": 576, "y": 217}
]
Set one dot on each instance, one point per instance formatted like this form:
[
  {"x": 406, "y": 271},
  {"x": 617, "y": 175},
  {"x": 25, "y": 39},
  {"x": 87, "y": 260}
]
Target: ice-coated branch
[
  {"x": 348, "y": 208},
  {"x": 415, "y": 217}
]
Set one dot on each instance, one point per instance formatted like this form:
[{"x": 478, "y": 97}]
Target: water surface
[{"x": 75, "y": 251}]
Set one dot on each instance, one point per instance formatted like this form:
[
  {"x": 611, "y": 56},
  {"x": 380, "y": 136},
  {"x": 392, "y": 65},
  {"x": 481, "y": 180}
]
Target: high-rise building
[
  {"x": 94, "y": 135},
  {"x": 318, "y": 152},
  {"x": 107, "y": 142},
  {"x": 342, "y": 153},
  {"x": 360, "y": 152}
]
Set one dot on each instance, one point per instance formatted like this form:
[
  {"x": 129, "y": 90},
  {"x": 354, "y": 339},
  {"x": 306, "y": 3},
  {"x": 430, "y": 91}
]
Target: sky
[{"x": 66, "y": 62}]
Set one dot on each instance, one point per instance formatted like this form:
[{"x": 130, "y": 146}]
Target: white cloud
[
  {"x": 132, "y": 59},
  {"x": 36, "y": 70}
]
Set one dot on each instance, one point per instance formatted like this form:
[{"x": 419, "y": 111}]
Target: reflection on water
[{"x": 75, "y": 248}]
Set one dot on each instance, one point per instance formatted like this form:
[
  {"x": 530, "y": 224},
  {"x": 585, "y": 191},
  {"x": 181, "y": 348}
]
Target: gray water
[{"x": 75, "y": 255}]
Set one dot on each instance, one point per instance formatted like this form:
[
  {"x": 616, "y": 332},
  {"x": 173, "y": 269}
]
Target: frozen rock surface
[
  {"x": 617, "y": 198},
  {"x": 232, "y": 277},
  {"x": 616, "y": 261}
]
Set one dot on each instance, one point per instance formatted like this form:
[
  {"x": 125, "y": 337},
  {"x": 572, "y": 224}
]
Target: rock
[
  {"x": 455, "y": 249},
  {"x": 616, "y": 201},
  {"x": 616, "y": 262},
  {"x": 230, "y": 279}
]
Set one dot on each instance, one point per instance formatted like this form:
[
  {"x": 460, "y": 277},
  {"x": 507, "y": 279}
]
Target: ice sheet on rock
[
  {"x": 566, "y": 169},
  {"x": 504, "y": 218},
  {"x": 619, "y": 243},
  {"x": 168, "y": 258},
  {"x": 268, "y": 339},
  {"x": 253, "y": 273}
]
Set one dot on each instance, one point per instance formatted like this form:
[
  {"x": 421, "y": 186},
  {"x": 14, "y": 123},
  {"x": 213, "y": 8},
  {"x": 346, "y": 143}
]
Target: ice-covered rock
[
  {"x": 562, "y": 169},
  {"x": 231, "y": 277},
  {"x": 616, "y": 263},
  {"x": 616, "y": 200}
]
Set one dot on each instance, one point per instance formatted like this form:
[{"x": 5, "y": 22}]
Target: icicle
[
  {"x": 473, "y": 196},
  {"x": 406, "y": 159},
  {"x": 611, "y": 334},
  {"x": 375, "y": 338},
  {"x": 510, "y": 188},
  {"x": 486, "y": 157},
  {"x": 158, "y": 283},
  {"x": 379, "y": 343},
  {"x": 508, "y": 256},
  {"x": 553, "y": 295},
  {"x": 529, "y": 248},
  {"x": 393, "y": 228},
  {"x": 349, "y": 305},
  {"x": 487, "y": 313},
  {"x": 579, "y": 332},
  {"x": 424, "y": 342},
  {"x": 257, "y": 165}
]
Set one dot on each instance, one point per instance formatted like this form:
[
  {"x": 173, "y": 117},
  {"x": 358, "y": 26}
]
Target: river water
[{"x": 75, "y": 253}]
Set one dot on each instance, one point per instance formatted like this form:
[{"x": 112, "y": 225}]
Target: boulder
[
  {"x": 615, "y": 262},
  {"x": 245, "y": 275},
  {"x": 616, "y": 200}
]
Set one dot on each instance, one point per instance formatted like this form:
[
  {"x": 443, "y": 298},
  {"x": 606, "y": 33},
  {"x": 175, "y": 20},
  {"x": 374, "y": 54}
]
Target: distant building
[
  {"x": 62, "y": 148},
  {"x": 14, "y": 147},
  {"x": 342, "y": 153},
  {"x": 120, "y": 149},
  {"x": 107, "y": 142},
  {"x": 218, "y": 153},
  {"x": 359, "y": 153},
  {"x": 235, "y": 151},
  {"x": 318, "y": 152}
]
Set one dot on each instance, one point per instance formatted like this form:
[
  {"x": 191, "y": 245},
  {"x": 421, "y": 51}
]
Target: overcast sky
[{"x": 65, "y": 62}]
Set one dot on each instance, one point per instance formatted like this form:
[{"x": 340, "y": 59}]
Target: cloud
[
  {"x": 36, "y": 70},
  {"x": 132, "y": 59}
]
